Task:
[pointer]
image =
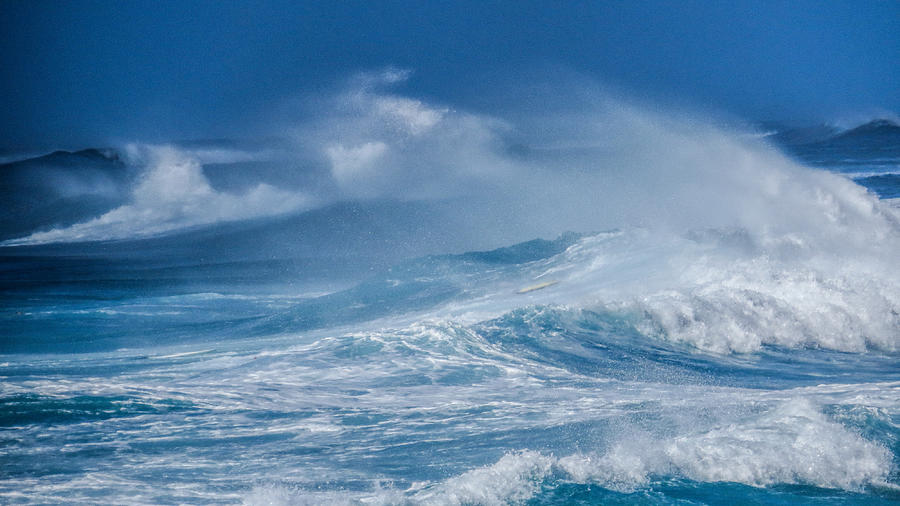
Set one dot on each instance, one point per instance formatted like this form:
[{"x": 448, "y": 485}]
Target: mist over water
[
  {"x": 172, "y": 193},
  {"x": 396, "y": 301},
  {"x": 610, "y": 164}
]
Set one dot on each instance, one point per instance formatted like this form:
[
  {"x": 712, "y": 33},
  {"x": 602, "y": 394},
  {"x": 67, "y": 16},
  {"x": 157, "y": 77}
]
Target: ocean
[{"x": 641, "y": 310}]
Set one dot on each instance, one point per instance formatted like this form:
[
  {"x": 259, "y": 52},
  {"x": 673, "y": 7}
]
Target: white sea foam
[
  {"x": 515, "y": 478},
  {"x": 582, "y": 161},
  {"x": 752, "y": 436},
  {"x": 775, "y": 253},
  {"x": 740, "y": 304},
  {"x": 720, "y": 290},
  {"x": 172, "y": 194},
  {"x": 793, "y": 443},
  {"x": 787, "y": 255}
]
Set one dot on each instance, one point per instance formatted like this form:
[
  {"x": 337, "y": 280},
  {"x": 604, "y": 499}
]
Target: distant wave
[
  {"x": 843, "y": 135},
  {"x": 600, "y": 164},
  {"x": 172, "y": 194}
]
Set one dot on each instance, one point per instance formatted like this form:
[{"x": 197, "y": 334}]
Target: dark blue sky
[{"x": 85, "y": 73}]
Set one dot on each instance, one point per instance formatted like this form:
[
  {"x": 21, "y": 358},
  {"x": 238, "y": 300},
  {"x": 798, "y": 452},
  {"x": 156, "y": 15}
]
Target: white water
[{"x": 609, "y": 164}]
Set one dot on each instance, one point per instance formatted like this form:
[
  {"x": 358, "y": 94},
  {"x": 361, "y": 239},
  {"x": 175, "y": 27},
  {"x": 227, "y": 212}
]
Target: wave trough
[{"x": 401, "y": 302}]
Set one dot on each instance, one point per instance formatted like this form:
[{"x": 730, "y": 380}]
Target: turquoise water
[{"x": 709, "y": 365}]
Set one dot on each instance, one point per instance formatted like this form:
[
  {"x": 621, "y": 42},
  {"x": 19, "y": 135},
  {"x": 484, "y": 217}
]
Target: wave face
[
  {"x": 866, "y": 153},
  {"x": 431, "y": 306},
  {"x": 172, "y": 193}
]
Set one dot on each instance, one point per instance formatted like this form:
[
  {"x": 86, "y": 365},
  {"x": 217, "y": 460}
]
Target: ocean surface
[{"x": 192, "y": 328}]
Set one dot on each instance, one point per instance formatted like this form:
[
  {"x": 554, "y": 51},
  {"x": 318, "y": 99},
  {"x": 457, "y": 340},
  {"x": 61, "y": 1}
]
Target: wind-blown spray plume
[{"x": 172, "y": 194}]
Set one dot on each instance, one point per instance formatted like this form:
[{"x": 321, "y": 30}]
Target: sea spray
[{"x": 721, "y": 325}]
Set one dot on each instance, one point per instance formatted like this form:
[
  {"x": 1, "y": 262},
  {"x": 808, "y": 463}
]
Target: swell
[{"x": 720, "y": 291}]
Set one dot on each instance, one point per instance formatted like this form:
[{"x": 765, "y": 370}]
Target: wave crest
[
  {"x": 172, "y": 194},
  {"x": 793, "y": 443}
]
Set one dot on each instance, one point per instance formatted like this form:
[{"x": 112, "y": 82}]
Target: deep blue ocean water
[{"x": 379, "y": 360}]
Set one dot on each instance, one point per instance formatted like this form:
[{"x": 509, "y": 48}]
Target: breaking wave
[
  {"x": 793, "y": 443},
  {"x": 172, "y": 194},
  {"x": 590, "y": 165}
]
